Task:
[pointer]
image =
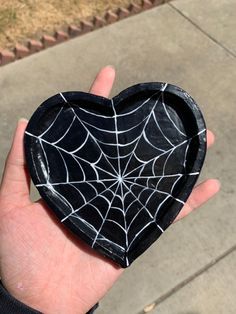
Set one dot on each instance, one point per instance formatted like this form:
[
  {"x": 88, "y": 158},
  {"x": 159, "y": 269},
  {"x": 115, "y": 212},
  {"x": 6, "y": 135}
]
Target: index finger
[{"x": 103, "y": 82}]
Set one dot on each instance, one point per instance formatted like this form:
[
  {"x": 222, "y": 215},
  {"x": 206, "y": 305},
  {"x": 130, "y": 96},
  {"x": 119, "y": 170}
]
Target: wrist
[{"x": 10, "y": 305}]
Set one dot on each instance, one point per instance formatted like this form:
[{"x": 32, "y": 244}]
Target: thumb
[{"x": 16, "y": 180}]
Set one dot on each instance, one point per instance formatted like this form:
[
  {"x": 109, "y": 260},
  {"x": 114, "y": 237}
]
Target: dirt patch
[{"x": 21, "y": 19}]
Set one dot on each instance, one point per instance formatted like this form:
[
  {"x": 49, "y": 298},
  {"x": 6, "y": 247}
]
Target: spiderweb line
[
  {"x": 154, "y": 159},
  {"x": 88, "y": 202},
  {"x": 51, "y": 125},
  {"x": 120, "y": 180},
  {"x": 95, "y": 141},
  {"x": 117, "y": 141},
  {"x": 159, "y": 191},
  {"x": 125, "y": 222},
  {"x": 100, "y": 238},
  {"x": 121, "y": 114},
  {"x": 116, "y": 131},
  {"x": 144, "y": 207},
  {"x": 168, "y": 115},
  {"x": 75, "y": 182},
  {"x": 166, "y": 175},
  {"x": 72, "y": 154},
  {"x": 104, "y": 219},
  {"x": 140, "y": 136},
  {"x": 67, "y": 131}
]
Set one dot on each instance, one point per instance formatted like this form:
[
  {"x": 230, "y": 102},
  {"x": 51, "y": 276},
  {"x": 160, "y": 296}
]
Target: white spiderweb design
[{"x": 115, "y": 177}]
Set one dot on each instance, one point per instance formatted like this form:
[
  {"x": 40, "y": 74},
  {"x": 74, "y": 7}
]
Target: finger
[
  {"x": 210, "y": 138},
  {"x": 103, "y": 82},
  {"x": 201, "y": 194},
  {"x": 16, "y": 180}
]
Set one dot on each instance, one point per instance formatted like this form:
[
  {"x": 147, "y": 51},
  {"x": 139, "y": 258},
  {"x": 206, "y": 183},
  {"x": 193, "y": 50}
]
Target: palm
[
  {"x": 49, "y": 259},
  {"x": 42, "y": 264}
]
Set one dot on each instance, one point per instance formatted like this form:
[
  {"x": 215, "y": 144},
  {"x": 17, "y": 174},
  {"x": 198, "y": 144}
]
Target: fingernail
[
  {"x": 110, "y": 66},
  {"x": 217, "y": 183},
  {"x": 23, "y": 120}
]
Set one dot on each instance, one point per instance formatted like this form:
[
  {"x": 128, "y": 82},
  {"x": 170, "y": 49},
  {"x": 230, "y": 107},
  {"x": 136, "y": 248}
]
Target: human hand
[{"x": 41, "y": 263}]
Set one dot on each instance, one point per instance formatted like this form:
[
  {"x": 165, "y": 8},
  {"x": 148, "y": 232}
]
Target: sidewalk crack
[
  {"x": 218, "y": 43},
  {"x": 186, "y": 281}
]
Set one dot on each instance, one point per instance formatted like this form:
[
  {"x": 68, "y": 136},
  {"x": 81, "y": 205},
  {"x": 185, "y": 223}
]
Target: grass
[
  {"x": 8, "y": 17},
  {"x": 21, "y": 19}
]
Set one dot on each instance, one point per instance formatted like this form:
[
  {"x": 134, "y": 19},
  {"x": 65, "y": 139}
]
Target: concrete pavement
[
  {"x": 210, "y": 292},
  {"x": 179, "y": 43}
]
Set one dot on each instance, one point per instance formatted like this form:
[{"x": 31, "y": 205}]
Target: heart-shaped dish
[{"x": 117, "y": 171}]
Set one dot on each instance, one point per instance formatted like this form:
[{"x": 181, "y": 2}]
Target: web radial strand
[
  {"x": 107, "y": 213},
  {"x": 140, "y": 135}
]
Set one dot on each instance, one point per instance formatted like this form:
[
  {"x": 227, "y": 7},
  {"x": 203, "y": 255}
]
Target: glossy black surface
[{"x": 117, "y": 172}]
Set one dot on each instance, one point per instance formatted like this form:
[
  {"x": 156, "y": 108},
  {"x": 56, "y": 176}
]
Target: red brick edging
[{"x": 32, "y": 46}]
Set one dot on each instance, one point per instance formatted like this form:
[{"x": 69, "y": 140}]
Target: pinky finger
[{"x": 200, "y": 195}]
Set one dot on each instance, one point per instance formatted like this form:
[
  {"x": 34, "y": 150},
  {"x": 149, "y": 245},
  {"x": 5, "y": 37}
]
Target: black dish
[{"x": 117, "y": 171}]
